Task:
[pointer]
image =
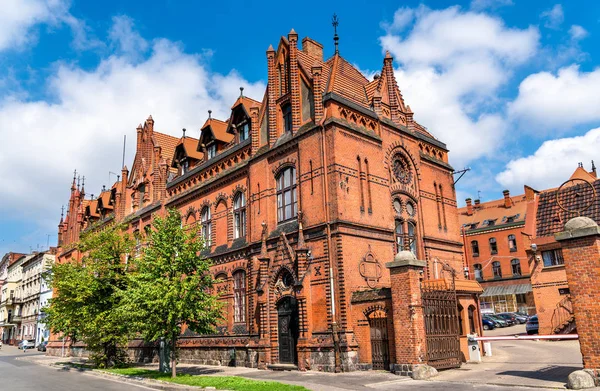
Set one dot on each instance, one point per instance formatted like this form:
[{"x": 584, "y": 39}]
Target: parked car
[
  {"x": 532, "y": 326},
  {"x": 27, "y": 344},
  {"x": 508, "y": 317},
  {"x": 520, "y": 317},
  {"x": 42, "y": 346},
  {"x": 488, "y": 324},
  {"x": 499, "y": 320}
]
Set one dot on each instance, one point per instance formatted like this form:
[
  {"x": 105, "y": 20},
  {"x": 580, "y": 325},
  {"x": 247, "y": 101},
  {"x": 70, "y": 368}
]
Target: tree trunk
[{"x": 173, "y": 355}]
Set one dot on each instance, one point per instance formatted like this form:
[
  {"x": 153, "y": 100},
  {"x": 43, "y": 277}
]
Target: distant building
[
  {"x": 11, "y": 301},
  {"x": 30, "y": 288},
  {"x": 495, "y": 252}
]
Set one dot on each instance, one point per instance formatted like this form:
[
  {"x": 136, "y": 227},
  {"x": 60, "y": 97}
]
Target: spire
[
  {"x": 62, "y": 213},
  {"x": 83, "y": 184},
  {"x": 78, "y": 181},
  {"x": 335, "y": 22},
  {"x": 74, "y": 178}
]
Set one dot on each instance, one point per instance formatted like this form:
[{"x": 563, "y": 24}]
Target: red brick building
[
  {"x": 303, "y": 197},
  {"x": 495, "y": 249}
]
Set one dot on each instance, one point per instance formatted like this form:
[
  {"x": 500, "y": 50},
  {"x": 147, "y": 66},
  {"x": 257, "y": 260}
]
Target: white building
[{"x": 31, "y": 288}]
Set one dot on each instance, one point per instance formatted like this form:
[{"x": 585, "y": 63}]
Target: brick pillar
[
  {"x": 581, "y": 251},
  {"x": 255, "y": 130},
  {"x": 409, "y": 324},
  {"x": 294, "y": 81},
  {"x": 317, "y": 93},
  {"x": 271, "y": 107}
]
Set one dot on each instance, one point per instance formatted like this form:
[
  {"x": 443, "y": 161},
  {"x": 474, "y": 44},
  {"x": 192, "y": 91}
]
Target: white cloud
[
  {"x": 124, "y": 39},
  {"x": 553, "y": 162},
  {"x": 577, "y": 32},
  {"x": 553, "y": 17},
  {"x": 453, "y": 63},
  {"x": 479, "y": 5},
  {"x": 403, "y": 17},
  {"x": 83, "y": 127},
  {"x": 549, "y": 102}
]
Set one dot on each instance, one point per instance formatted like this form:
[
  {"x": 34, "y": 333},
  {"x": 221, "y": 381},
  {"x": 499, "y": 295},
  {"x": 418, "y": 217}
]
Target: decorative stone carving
[{"x": 370, "y": 269}]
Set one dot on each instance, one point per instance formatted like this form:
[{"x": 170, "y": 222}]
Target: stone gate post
[
  {"x": 407, "y": 310},
  {"x": 580, "y": 243}
]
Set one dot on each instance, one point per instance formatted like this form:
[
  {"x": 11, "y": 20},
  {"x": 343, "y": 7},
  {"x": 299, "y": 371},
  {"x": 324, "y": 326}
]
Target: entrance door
[
  {"x": 379, "y": 343},
  {"x": 288, "y": 330}
]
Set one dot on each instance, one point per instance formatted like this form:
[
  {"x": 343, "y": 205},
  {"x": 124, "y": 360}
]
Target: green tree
[
  {"x": 88, "y": 293},
  {"x": 170, "y": 286}
]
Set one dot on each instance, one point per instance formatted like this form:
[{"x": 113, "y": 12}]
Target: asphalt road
[{"x": 16, "y": 375}]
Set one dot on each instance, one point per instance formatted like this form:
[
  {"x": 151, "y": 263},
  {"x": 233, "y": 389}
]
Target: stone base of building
[{"x": 416, "y": 371}]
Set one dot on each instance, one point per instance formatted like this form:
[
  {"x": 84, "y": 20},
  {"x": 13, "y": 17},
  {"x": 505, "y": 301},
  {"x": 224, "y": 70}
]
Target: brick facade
[{"x": 337, "y": 177}]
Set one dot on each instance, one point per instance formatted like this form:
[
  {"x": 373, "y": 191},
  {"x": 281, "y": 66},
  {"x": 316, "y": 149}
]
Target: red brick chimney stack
[
  {"x": 469, "y": 207},
  {"x": 477, "y": 203},
  {"x": 507, "y": 200}
]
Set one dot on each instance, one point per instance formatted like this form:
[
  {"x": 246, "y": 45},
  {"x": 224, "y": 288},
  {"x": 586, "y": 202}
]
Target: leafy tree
[
  {"x": 88, "y": 294},
  {"x": 170, "y": 285}
]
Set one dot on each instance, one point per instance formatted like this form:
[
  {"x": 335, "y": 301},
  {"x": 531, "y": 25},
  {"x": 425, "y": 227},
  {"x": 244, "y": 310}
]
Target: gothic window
[
  {"x": 244, "y": 130},
  {"x": 397, "y": 205},
  {"x": 399, "y": 233},
  {"x": 475, "y": 248},
  {"x": 412, "y": 238},
  {"x": 287, "y": 203},
  {"x": 497, "y": 269},
  {"x": 460, "y": 319},
  {"x": 515, "y": 265},
  {"x": 239, "y": 296},
  {"x": 471, "y": 311},
  {"x": 239, "y": 215},
  {"x": 493, "y": 246},
  {"x": 401, "y": 170},
  {"x": 410, "y": 209},
  {"x": 142, "y": 192},
  {"x": 206, "y": 224},
  {"x": 286, "y": 110},
  {"x": 512, "y": 243},
  {"x": 478, "y": 271}
]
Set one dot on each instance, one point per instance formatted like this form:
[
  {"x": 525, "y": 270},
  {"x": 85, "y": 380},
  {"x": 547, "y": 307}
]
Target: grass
[{"x": 233, "y": 383}]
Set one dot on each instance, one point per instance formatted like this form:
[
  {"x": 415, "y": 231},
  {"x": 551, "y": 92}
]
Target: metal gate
[
  {"x": 379, "y": 343},
  {"x": 441, "y": 323}
]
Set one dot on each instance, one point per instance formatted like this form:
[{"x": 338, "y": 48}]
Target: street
[{"x": 18, "y": 375}]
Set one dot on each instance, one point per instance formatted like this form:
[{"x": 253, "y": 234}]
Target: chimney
[
  {"x": 469, "y": 207},
  {"x": 477, "y": 202},
  {"x": 312, "y": 48},
  {"x": 507, "y": 200},
  {"x": 594, "y": 170},
  {"x": 271, "y": 113}
]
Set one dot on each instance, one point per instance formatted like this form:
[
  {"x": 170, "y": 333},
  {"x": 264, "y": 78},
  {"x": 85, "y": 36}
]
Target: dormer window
[
  {"x": 184, "y": 166},
  {"x": 287, "y": 117},
  {"x": 244, "y": 131},
  {"x": 211, "y": 151}
]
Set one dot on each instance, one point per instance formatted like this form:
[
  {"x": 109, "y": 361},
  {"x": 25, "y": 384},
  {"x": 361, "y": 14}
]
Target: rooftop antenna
[
  {"x": 335, "y": 23},
  {"x": 241, "y": 92},
  {"x": 48, "y": 241},
  {"x": 112, "y": 173},
  {"x": 124, "y": 141}
]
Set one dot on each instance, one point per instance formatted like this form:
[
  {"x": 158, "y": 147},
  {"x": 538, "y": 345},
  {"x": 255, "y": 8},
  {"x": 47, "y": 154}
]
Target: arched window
[
  {"x": 478, "y": 271},
  {"x": 399, "y": 233},
  {"x": 460, "y": 319},
  {"x": 475, "y": 248},
  {"x": 515, "y": 265},
  {"x": 412, "y": 238},
  {"x": 493, "y": 246},
  {"x": 239, "y": 215},
  {"x": 471, "y": 311},
  {"x": 286, "y": 110},
  {"x": 206, "y": 224},
  {"x": 512, "y": 243},
  {"x": 287, "y": 203},
  {"x": 239, "y": 296},
  {"x": 497, "y": 269}
]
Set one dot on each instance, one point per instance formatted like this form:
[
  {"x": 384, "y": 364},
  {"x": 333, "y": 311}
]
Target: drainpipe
[{"x": 334, "y": 326}]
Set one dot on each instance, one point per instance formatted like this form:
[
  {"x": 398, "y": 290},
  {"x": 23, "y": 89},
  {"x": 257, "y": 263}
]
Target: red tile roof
[
  {"x": 494, "y": 210},
  {"x": 219, "y": 130},
  {"x": 167, "y": 144},
  {"x": 347, "y": 81}
]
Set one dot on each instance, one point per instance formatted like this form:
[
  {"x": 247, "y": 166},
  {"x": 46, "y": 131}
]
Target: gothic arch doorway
[
  {"x": 380, "y": 356},
  {"x": 287, "y": 325}
]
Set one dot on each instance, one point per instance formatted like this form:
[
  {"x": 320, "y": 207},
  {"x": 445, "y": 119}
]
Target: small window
[
  {"x": 239, "y": 296},
  {"x": 397, "y": 205},
  {"x": 244, "y": 130},
  {"x": 512, "y": 243},
  {"x": 493, "y": 246},
  {"x": 412, "y": 238},
  {"x": 287, "y": 202},
  {"x": 211, "y": 151},
  {"x": 239, "y": 215},
  {"x": 475, "y": 248},
  {"x": 497, "y": 269},
  {"x": 553, "y": 258},
  {"x": 287, "y": 117},
  {"x": 206, "y": 225},
  {"x": 460, "y": 319},
  {"x": 471, "y": 311},
  {"x": 142, "y": 192},
  {"x": 478, "y": 271},
  {"x": 515, "y": 265},
  {"x": 399, "y": 233}
]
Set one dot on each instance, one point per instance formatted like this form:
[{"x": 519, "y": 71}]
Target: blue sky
[{"x": 510, "y": 85}]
